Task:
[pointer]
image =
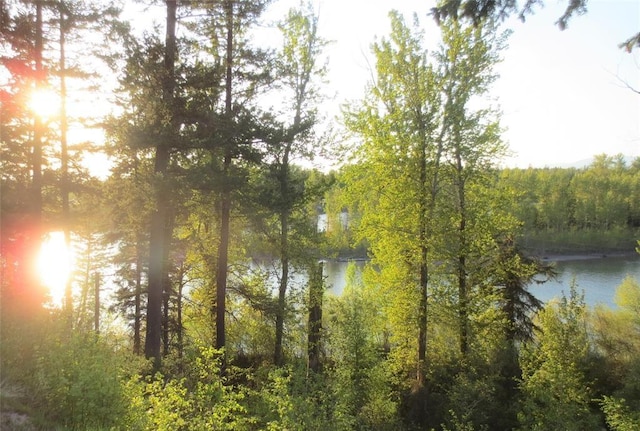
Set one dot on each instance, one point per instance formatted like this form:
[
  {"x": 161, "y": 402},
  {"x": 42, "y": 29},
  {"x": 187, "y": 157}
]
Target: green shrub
[
  {"x": 201, "y": 401},
  {"x": 77, "y": 383}
]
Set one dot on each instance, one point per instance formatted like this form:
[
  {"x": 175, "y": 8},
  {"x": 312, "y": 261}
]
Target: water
[{"x": 597, "y": 277}]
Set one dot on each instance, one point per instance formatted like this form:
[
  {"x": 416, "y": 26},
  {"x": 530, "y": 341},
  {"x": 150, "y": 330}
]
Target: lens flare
[
  {"x": 44, "y": 103},
  {"x": 54, "y": 265}
]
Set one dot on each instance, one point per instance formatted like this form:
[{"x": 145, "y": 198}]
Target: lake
[{"x": 597, "y": 277}]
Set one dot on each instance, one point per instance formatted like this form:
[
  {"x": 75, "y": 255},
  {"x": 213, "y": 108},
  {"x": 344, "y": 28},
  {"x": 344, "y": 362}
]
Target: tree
[
  {"x": 479, "y": 10},
  {"x": 75, "y": 20},
  {"x": 158, "y": 244},
  {"x": 355, "y": 346},
  {"x": 228, "y": 121},
  {"x": 554, "y": 387},
  {"x": 21, "y": 133},
  {"x": 472, "y": 148},
  {"x": 616, "y": 334},
  {"x": 425, "y": 165},
  {"x": 396, "y": 181},
  {"x": 283, "y": 190},
  {"x": 128, "y": 194}
]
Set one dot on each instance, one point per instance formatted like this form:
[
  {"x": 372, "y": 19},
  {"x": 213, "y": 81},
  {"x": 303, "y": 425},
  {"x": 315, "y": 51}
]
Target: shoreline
[
  {"x": 582, "y": 256},
  {"x": 551, "y": 257}
]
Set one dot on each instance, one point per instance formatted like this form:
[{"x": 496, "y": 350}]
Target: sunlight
[
  {"x": 45, "y": 103},
  {"x": 54, "y": 265}
]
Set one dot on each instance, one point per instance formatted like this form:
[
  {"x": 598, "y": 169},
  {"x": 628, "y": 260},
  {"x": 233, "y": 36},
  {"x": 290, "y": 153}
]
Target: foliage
[
  {"x": 591, "y": 209},
  {"x": 423, "y": 197},
  {"x": 356, "y": 343},
  {"x": 618, "y": 415},
  {"x": 477, "y": 11},
  {"x": 555, "y": 391},
  {"x": 202, "y": 400},
  {"x": 79, "y": 380}
]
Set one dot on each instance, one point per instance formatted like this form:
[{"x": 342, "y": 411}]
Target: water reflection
[{"x": 597, "y": 277}]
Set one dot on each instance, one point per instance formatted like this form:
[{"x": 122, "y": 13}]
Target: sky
[{"x": 561, "y": 93}]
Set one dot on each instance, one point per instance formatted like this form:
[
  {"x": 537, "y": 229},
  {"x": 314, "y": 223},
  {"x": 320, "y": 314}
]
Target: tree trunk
[
  {"x": 137, "y": 318},
  {"x": 316, "y": 292},
  {"x": 33, "y": 292},
  {"x": 179, "y": 330},
  {"x": 157, "y": 242},
  {"x": 37, "y": 128},
  {"x": 64, "y": 163},
  {"x": 96, "y": 303},
  {"x": 424, "y": 268},
  {"x": 278, "y": 357},
  {"x": 225, "y": 204},
  {"x": 166, "y": 284}
]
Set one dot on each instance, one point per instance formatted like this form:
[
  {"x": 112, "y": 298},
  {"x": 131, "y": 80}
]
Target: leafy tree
[
  {"x": 356, "y": 337},
  {"x": 396, "y": 180},
  {"x": 554, "y": 387},
  {"x": 298, "y": 68},
  {"x": 472, "y": 147},
  {"x": 617, "y": 348},
  {"x": 618, "y": 415},
  {"x": 425, "y": 165}
]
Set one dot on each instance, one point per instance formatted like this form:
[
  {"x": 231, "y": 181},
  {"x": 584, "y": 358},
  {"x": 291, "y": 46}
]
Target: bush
[
  {"x": 77, "y": 383},
  {"x": 201, "y": 401}
]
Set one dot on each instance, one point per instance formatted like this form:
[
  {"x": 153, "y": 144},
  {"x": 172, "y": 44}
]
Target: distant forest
[{"x": 590, "y": 210}]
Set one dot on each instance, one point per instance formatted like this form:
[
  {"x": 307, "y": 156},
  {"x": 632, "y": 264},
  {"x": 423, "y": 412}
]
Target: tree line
[
  {"x": 440, "y": 331},
  {"x": 588, "y": 210},
  {"x": 602, "y": 196}
]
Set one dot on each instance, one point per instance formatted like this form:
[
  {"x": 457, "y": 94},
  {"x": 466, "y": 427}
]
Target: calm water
[{"x": 598, "y": 278}]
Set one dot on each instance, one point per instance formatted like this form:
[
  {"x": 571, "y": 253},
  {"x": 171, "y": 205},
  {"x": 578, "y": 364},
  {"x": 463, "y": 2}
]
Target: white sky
[{"x": 559, "y": 91}]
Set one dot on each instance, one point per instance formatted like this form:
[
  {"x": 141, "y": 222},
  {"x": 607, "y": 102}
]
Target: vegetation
[{"x": 207, "y": 219}]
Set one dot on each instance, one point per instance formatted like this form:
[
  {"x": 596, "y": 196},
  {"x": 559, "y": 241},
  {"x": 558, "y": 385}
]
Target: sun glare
[
  {"x": 44, "y": 103},
  {"x": 54, "y": 265}
]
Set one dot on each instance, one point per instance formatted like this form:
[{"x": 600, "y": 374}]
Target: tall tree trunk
[
  {"x": 225, "y": 198},
  {"x": 165, "y": 320},
  {"x": 37, "y": 127},
  {"x": 463, "y": 296},
  {"x": 179, "y": 329},
  {"x": 316, "y": 292},
  {"x": 96, "y": 303},
  {"x": 157, "y": 267},
  {"x": 429, "y": 190},
  {"x": 64, "y": 162},
  {"x": 137, "y": 318},
  {"x": 424, "y": 272},
  {"x": 33, "y": 289},
  {"x": 166, "y": 284},
  {"x": 301, "y": 74},
  {"x": 83, "y": 312},
  {"x": 278, "y": 357}
]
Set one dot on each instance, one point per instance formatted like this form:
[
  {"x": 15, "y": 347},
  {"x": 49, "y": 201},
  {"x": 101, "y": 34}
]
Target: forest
[{"x": 174, "y": 299}]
